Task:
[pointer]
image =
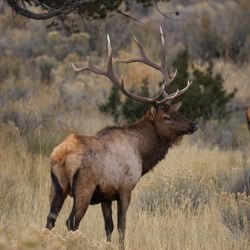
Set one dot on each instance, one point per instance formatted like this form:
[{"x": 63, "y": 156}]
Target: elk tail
[{"x": 58, "y": 171}]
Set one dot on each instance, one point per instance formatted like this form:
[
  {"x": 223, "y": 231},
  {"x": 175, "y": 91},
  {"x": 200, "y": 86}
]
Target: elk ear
[
  {"x": 176, "y": 106},
  {"x": 151, "y": 113}
]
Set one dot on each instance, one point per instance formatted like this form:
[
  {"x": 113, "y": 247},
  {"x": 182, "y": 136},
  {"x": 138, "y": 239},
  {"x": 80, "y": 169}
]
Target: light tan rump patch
[{"x": 70, "y": 144}]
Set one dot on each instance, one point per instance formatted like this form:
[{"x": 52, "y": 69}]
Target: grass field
[
  {"x": 195, "y": 199},
  {"x": 186, "y": 202}
]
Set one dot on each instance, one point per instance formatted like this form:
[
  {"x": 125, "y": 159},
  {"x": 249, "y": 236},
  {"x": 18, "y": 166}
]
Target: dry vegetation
[
  {"x": 186, "y": 202},
  {"x": 194, "y": 199}
]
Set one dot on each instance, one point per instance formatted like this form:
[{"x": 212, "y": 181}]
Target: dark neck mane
[{"x": 152, "y": 147}]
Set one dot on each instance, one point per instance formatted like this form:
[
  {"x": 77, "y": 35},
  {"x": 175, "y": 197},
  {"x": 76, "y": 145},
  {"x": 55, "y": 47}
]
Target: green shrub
[
  {"x": 129, "y": 110},
  {"x": 132, "y": 110},
  {"x": 206, "y": 97},
  {"x": 113, "y": 104}
]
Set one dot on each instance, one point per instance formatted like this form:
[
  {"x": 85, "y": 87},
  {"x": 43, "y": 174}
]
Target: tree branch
[
  {"x": 166, "y": 15},
  {"x": 40, "y": 16}
]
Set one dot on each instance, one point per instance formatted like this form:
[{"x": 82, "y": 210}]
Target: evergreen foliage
[
  {"x": 206, "y": 97},
  {"x": 129, "y": 110},
  {"x": 132, "y": 110},
  {"x": 113, "y": 104}
]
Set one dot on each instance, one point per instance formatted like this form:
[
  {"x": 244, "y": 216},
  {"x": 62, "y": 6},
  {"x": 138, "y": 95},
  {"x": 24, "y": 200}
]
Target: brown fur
[{"x": 107, "y": 166}]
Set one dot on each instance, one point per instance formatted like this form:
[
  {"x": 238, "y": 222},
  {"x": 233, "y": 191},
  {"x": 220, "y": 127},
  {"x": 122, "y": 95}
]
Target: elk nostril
[{"x": 195, "y": 127}]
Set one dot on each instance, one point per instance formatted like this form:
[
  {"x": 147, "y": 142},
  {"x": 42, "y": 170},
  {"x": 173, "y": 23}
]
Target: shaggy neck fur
[{"x": 152, "y": 147}]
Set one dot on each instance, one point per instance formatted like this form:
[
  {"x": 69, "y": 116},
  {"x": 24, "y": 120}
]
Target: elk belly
[{"x": 103, "y": 194}]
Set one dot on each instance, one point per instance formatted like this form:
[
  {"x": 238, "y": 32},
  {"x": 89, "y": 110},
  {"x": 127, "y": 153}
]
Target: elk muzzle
[{"x": 192, "y": 129}]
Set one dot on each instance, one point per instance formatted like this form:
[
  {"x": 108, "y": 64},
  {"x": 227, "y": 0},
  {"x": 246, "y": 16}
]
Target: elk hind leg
[
  {"x": 82, "y": 190},
  {"x": 58, "y": 193},
  {"x": 108, "y": 220}
]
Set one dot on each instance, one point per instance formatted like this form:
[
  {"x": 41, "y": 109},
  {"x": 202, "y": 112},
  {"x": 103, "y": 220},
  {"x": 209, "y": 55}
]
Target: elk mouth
[
  {"x": 190, "y": 132},
  {"x": 193, "y": 129}
]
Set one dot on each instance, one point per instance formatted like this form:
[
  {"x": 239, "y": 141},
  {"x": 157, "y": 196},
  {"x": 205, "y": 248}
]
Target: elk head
[
  {"x": 162, "y": 114},
  {"x": 169, "y": 124}
]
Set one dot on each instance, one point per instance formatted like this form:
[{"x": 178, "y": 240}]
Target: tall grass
[
  {"x": 194, "y": 199},
  {"x": 186, "y": 202}
]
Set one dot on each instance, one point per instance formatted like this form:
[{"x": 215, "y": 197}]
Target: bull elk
[{"x": 106, "y": 167}]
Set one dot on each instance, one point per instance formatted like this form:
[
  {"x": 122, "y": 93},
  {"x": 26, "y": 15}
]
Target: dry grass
[
  {"x": 185, "y": 203},
  {"x": 236, "y": 77}
]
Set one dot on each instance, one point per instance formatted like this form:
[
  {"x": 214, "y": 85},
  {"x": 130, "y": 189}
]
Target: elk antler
[{"x": 109, "y": 73}]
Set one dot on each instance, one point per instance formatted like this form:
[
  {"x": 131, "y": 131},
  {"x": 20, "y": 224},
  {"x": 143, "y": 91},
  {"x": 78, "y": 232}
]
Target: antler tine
[
  {"x": 143, "y": 59},
  {"x": 134, "y": 96},
  {"x": 90, "y": 67},
  {"x": 110, "y": 56},
  {"x": 167, "y": 79},
  {"x": 163, "y": 60},
  {"x": 110, "y": 72},
  {"x": 164, "y": 85},
  {"x": 185, "y": 89},
  {"x": 174, "y": 75},
  {"x": 77, "y": 69},
  {"x": 176, "y": 94}
]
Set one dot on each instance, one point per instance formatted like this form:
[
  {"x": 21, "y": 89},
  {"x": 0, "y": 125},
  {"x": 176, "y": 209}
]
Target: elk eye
[{"x": 167, "y": 118}]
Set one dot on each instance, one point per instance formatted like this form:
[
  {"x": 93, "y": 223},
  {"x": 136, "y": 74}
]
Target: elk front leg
[
  {"x": 123, "y": 203},
  {"x": 107, "y": 214}
]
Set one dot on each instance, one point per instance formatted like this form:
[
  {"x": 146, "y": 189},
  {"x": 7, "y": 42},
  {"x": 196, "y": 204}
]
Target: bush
[
  {"x": 206, "y": 97},
  {"x": 9, "y": 66},
  {"x": 113, "y": 104},
  {"x": 132, "y": 110},
  {"x": 129, "y": 109},
  {"x": 46, "y": 64}
]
